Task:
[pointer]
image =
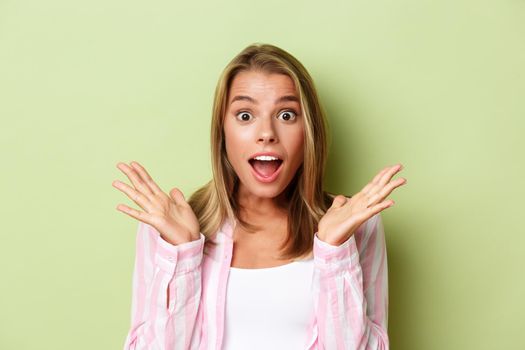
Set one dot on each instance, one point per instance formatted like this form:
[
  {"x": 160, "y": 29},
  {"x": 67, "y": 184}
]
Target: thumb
[
  {"x": 177, "y": 196},
  {"x": 339, "y": 201}
]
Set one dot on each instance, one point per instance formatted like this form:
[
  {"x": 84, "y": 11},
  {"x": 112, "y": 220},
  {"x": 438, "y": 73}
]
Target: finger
[
  {"x": 379, "y": 207},
  {"x": 381, "y": 179},
  {"x": 380, "y": 174},
  {"x": 178, "y": 197},
  {"x": 132, "y": 194},
  {"x": 375, "y": 180},
  {"x": 154, "y": 188},
  {"x": 389, "y": 174},
  {"x": 366, "y": 214},
  {"x": 133, "y": 213},
  {"x": 385, "y": 191},
  {"x": 135, "y": 179}
]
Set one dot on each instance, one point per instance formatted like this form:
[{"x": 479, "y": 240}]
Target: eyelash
[{"x": 283, "y": 111}]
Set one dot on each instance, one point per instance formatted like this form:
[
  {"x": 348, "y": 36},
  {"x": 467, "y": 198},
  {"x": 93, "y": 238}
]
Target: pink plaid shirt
[{"x": 178, "y": 296}]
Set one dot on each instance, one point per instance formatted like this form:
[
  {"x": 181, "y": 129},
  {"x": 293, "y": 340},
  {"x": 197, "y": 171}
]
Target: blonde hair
[{"x": 307, "y": 201}]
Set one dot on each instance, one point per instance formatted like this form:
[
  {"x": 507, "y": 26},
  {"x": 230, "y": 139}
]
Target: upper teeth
[{"x": 265, "y": 158}]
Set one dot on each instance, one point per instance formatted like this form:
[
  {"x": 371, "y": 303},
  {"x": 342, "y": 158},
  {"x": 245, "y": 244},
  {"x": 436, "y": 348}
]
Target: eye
[
  {"x": 243, "y": 116},
  {"x": 289, "y": 115}
]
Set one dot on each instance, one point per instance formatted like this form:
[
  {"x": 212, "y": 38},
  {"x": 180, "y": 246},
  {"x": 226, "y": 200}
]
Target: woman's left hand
[{"x": 347, "y": 214}]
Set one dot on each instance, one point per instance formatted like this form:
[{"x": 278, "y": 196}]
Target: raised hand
[
  {"x": 171, "y": 215},
  {"x": 347, "y": 214}
]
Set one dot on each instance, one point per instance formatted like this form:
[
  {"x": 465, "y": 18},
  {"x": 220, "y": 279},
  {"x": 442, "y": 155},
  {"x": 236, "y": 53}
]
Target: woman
[{"x": 261, "y": 257}]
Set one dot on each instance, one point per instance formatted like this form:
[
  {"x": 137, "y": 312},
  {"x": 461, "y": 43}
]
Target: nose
[{"x": 267, "y": 132}]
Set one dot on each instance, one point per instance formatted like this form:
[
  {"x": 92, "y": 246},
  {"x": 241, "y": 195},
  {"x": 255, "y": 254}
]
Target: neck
[{"x": 261, "y": 210}]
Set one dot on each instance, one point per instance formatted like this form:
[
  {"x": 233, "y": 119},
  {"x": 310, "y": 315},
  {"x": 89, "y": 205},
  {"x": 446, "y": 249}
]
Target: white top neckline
[
  {"x": 269, "y": 308},
  {"x": 271, "y": 268}
]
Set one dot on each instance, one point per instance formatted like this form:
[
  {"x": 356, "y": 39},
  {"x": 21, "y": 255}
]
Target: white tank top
[{"x": 269, "y": 308}]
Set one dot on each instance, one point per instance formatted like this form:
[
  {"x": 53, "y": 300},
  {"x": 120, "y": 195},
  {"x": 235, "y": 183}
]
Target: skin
[
  {"x": 169, "y": 214},
  {"x": 263, "y": 125},
  {"x": 269, "y": 126},
  {"x": 347, "y": 214}
]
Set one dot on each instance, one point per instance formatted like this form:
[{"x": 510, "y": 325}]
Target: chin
[{"x": 263, "y": 190}]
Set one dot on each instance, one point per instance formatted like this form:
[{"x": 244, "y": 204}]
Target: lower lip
[{"x": 268, "y": 179}]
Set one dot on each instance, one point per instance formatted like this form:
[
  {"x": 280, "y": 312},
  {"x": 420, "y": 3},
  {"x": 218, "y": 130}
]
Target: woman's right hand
[{"x": 171, "y": 215}]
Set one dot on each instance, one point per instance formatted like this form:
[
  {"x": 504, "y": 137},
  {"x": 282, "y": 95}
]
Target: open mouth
[{"x": 266, "y": 169}]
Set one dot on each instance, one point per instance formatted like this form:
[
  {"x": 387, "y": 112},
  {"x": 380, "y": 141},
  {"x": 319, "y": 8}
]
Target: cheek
[
  {"x": 233, "y": 144},
  {"x": 299, "y": 138},
  {"x": 297, "y": 146},
  {"x": 227, "y": 140}
]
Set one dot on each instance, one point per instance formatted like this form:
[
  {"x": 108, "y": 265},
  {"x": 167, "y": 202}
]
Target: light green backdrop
[{"x": 435, "y": 85}]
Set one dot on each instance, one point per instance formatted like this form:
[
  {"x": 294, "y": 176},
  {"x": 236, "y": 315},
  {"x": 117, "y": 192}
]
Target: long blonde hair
[{"x": 307, "y": 201}]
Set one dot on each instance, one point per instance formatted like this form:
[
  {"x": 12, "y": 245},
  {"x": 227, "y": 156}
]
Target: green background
[{"x": 438, "y": 86}]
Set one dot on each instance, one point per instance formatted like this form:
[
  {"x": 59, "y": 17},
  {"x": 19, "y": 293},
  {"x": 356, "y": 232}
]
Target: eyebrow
[{"x": 280, "y": 99}]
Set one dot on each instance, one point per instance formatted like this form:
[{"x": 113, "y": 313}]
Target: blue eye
[{"x": 290, "y": 115}]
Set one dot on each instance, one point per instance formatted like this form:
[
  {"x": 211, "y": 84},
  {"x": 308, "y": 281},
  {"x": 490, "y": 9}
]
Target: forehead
[{"x": 255, "y": 82}]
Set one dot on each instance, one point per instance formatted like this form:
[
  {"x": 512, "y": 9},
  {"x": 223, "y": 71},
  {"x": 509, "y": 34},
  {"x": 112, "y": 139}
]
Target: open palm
[
  {"x": 169, "y": 214},
  {"x": 347, "y": 214}
]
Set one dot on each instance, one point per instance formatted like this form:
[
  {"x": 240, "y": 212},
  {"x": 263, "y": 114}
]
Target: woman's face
[{"x": 264, "y": 117}]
